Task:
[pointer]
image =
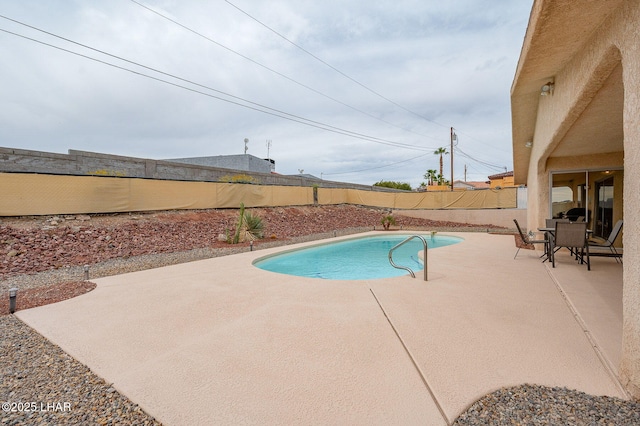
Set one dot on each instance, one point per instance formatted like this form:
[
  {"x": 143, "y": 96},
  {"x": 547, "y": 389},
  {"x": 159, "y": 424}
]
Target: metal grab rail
[{"x": 406, "y": 268}]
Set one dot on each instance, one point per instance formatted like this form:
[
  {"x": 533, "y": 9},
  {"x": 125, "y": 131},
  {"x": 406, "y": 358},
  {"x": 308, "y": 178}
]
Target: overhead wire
[
  {"x": 480, "y": 141},
  {"x": 257, "y": 106},
  {"x": 317, "y": 58},
  {"x": 484, "y": 163},
  {"x": 457, "y": 150},
  {"x": 318, "y": 92},
  {"x": 290, "y": 117},
  {"x": 293, "y": 80},
  {"x": 333, "y": 67},
  {"x": 377, "y": 167}
]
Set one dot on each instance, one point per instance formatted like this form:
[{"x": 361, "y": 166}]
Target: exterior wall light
[
  {"x": 547, "y": 89},
  {"x": 529, "y": 144},
  {"x": 13, "y": 292}
]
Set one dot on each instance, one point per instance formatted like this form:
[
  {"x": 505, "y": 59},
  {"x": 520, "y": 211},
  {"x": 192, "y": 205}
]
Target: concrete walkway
[{"x": 219, "y": 341}]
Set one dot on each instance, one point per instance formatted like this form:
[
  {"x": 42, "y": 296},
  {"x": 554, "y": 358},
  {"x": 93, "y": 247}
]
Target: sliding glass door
[
  {"x": 594, "y": 196},
  {"x": 604, "y": 192}
]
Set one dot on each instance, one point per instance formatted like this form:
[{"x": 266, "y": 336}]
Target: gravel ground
[
  {"x": 45, "y": 258},
  {"x": 539, "y": 405},
  {"x": 42, "y": 385}
]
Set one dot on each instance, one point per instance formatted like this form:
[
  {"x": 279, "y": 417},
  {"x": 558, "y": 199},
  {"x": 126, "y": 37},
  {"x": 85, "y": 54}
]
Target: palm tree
[
  {"x": 441, "y": 152},
  {"x": 430, "y": 175}
]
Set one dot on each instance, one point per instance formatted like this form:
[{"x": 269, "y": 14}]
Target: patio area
[{"x": 220, "y": 341}]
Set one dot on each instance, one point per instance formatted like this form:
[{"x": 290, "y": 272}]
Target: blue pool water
[{"x": 354, "y": 259}]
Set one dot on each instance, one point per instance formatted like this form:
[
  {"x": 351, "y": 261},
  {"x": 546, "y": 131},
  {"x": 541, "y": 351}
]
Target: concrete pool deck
[{"x": 219, "y": 341}]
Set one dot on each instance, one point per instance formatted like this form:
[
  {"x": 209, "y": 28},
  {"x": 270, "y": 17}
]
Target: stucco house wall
[
  {"x": 558, "y": 112},
  {"x": 630, "y": 46},
  {"x": 580, "y": 46}
]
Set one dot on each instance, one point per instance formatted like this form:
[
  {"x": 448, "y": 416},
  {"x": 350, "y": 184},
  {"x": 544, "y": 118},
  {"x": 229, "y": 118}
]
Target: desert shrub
[
  {"x": 387, "y": 221},
  {"x": 249, "y": 227},
  {"x": 395, "y": 185},
  {"x": 253, "y": 226},
  {"x": 239, "y": 178}
]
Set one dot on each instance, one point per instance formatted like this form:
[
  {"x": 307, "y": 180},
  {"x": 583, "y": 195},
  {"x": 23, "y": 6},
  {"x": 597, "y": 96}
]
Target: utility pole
[
  {"x": 454, "y": 137},
  {"x": 465, "y": 172}
]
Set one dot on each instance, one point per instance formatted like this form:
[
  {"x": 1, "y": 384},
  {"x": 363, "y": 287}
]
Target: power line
[
  {"x": 333, "y": 67},
  {"x": 378, "y": 167},
  {"x": 257, "y": 107},
  {"x": 482, "y": 142},
  {"x": 484, "y": 163},
  {"x": 343, "y": 73},
  {"x": 274, "y": 71}
]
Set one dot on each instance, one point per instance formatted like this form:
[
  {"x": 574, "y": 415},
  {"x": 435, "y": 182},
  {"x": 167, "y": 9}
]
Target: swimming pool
[{"x": 353, "y": 259}]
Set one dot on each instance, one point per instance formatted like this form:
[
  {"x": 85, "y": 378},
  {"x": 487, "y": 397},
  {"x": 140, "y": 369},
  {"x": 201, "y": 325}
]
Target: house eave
[{"x": 550, "y": 41}]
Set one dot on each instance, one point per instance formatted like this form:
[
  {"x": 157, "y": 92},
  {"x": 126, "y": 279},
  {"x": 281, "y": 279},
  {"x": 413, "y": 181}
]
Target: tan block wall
[
  {"x": 36, "y": 194},
  {"x": 497, "y": 217}
]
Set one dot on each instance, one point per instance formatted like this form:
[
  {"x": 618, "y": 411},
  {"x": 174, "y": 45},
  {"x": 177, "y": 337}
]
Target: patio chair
[
  {"x": 609, "y": 241},
  {"x": 551, "y": 223},
  {"x": 572, "y": 235},
  {"x": 525, "y": 238}
]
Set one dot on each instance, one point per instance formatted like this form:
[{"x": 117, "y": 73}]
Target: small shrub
[
  {"x": 253, "y": 226},
  {"x": 240, "y": 178},
  {"x": 391, "y": 184},
  {"x": 387, "y": 221},
  {"x": 107, "y": 172},
  {"x": 249, "y": 227}
]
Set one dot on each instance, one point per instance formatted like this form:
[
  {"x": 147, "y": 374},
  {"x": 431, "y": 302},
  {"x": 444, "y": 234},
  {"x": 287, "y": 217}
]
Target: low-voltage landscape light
[{"x": 13, "y": 293}]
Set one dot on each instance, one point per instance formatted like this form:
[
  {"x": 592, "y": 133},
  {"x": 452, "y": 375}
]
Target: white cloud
[{"x": 451, "y": 62}]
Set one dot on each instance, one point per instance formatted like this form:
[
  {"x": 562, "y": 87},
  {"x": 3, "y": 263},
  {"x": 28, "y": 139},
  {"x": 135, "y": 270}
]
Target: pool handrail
[{"x": 406, "y": 268}]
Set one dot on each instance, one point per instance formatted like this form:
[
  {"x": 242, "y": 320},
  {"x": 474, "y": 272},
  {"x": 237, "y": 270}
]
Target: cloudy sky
[{"x": 356, "y": 91}]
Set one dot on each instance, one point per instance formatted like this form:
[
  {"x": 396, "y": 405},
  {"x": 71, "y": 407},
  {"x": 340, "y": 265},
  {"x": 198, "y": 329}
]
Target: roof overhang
[{"x": 557, "y": 30}]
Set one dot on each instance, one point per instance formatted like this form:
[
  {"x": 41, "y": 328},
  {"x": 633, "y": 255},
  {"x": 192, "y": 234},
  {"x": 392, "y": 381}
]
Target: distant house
[
  {"x": 470, "y": 185},
  {"x": 458, "y": 185},
  {"x": 244, "y": 162},
  {"x": 502, "y": 180}
]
